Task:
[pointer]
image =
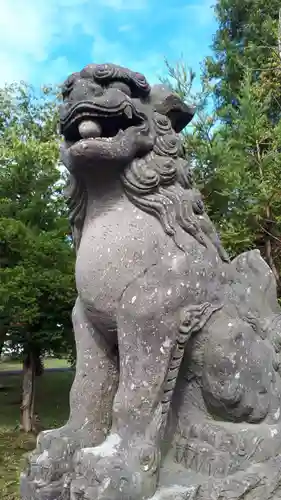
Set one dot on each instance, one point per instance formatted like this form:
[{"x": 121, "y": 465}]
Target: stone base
[
  {"x": 175, "y": 493},
  {"x": 259, "y": 482},
  {"x": 31, "y": 490}
]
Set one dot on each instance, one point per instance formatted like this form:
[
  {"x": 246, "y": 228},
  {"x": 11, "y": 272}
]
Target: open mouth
[{"x": 86, "y": 121}]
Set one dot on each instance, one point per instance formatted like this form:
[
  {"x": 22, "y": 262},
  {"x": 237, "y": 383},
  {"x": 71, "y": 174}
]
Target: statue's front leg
[
  {"x": 126, "y": 465},
  {"x": 91, "y": 399}
]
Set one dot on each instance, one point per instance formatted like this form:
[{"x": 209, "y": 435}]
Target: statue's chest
[{"x": 115, "y": 248}]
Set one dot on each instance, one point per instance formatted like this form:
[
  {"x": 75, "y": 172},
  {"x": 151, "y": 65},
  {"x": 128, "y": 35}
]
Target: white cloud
[
  {"x": 107, "y": 51},
  {"x": 26, "y": 33},
  {"x": 29, "y": 29},
  {"x": 124, "y": 4},
  {"x": 32, "y": 30},
  {"x": 125, "y": 27},
  {"x": 151, "y": 66},
  {"x": 21, "y": 37}
]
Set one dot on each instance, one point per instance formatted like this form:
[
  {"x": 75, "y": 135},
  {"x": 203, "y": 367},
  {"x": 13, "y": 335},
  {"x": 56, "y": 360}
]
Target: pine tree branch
[{"x": 279, "y": 34}]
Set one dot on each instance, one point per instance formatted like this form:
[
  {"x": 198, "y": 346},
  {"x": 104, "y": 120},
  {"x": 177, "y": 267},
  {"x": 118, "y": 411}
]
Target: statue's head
[
  {"x": 111, "y": 115},
  {"x": 113, "y": 122}
]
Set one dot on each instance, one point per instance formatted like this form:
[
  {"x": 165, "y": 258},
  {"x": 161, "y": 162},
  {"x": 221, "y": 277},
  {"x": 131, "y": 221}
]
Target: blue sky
[{"x": 42, "y": 41}]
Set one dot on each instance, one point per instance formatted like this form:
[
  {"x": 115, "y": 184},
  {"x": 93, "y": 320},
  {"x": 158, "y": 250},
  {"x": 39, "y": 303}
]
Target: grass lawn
[
  {"x": 52, "y": 390},
  {"x": 48, "y": 363}
]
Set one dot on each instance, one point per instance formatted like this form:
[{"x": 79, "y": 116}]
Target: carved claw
[
  {"x": 49, "y": 468},
  {"x": 116, "y": 468}
]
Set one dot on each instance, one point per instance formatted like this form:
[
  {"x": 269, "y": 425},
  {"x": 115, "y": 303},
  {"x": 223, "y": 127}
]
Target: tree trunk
[
  {"x": 2, "y": 339},
  {"x": 28, "y": 393},
  {"x": 268, "y": 247},
  {"x": 279, "y": 34},
  {"x": 1, "y": 345}
]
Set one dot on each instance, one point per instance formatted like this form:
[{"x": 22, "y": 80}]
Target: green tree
[
  {"x": 243, "y": 76},
  {"x": 246, "y": 38},
  {"x": 36, "y": 274},
  {"x": 234, "y": 145},
  {"x": 241, "y": 175}
]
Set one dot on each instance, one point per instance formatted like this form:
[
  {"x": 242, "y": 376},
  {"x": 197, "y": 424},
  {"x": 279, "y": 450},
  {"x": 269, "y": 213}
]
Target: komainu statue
[{"x": 177, "y": 388}]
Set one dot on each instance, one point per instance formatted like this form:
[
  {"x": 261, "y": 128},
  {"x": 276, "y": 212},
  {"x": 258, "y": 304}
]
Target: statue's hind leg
[
  {"x": 126, "y": 465},
  {"x": 90, "y": 417}
]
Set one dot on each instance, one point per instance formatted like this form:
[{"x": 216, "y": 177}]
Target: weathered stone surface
[{"x": 177, "y": 388}]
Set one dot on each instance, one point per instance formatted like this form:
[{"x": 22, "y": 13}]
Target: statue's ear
[{"x": 168, "y": 103}]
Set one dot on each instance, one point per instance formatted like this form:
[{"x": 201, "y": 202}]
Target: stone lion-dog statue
[{"x": 177, "y": 387}]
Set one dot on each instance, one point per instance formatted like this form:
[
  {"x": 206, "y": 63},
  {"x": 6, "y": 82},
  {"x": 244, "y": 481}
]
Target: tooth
[{"x": 128, "y": 112}]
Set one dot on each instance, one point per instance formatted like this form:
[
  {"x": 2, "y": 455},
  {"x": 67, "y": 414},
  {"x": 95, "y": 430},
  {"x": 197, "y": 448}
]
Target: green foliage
[
  {"x": 234, "y": 145},
  {"x": 36, "y": 274},
  {"x": 246, "y": 38},
  {"x": 180, "y": 79}
]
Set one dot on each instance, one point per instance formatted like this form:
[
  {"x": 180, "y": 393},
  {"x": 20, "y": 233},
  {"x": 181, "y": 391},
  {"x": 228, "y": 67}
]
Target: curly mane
[{"x": 160, "y": 183}]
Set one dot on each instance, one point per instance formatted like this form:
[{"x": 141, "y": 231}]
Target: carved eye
[{"x": 121, "y": 86}]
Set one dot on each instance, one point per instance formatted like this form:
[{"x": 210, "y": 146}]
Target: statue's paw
[
  {"x": 53, "y": 456},
  {"x": 66, "y": 439},
  {"x": 116, "y": 470}
]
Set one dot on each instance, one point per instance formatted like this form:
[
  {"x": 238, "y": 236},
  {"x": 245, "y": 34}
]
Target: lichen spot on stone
[
  {"x": 167, "y": 342},
  {"x": 107, "y": 449},
  {"x": 43, "y": 457},
  {"x": 277, "y": 414}
]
